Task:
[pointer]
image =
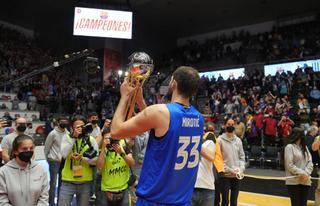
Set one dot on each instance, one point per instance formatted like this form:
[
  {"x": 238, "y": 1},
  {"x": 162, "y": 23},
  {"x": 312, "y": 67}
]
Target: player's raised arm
[{"x": 151, "y": 117}]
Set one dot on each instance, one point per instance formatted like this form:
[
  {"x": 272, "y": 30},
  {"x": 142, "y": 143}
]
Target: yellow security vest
[
  {"x": 67, "y": 171},
  {"x": 115, "y": 173}
]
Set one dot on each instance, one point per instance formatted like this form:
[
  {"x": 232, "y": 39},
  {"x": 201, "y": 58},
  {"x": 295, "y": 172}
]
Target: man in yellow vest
[
  {"x": 80, "y": 152},
  {"x": 114, "y": 162},
  {"x": 217, "y": 161}
]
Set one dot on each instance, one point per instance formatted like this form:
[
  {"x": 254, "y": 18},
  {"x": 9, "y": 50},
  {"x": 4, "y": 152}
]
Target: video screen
[
  {"x": 102, "y": 23},
  {"x": 272, "y": 69},
  {"x": 225, "y": 74}
]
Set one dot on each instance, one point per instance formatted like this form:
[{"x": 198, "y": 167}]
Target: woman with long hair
[{"x": 298, "y": 163}]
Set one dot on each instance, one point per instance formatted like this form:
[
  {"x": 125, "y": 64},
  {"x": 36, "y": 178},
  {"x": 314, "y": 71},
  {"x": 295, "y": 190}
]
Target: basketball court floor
[{"x": 256, "y": 199}]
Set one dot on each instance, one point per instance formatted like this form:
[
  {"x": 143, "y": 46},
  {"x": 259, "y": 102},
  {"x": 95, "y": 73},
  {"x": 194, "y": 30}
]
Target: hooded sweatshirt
[
  {"x": 232, "y": 153},
  {"x": 23, "y": 187},
  {"x": 53, "y": 144}
]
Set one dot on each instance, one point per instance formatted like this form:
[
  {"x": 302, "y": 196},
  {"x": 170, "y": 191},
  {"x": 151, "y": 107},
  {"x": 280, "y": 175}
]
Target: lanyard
[{"x": 76, "y": 146}]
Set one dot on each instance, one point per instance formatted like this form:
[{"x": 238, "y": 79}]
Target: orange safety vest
[{"x": 218, "y": 159}]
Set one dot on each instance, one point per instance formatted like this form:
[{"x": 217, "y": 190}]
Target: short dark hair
[
  {"x": 76, "y": 118},
  {"x": 227, "y": 118},
  {"x": 92, "y": 114},
  {"x": 62, "y": 117},
  {"x": 188, "y": 80},
  {"x": 17, "y": 142},
  {"x": 105, "y": 131}
]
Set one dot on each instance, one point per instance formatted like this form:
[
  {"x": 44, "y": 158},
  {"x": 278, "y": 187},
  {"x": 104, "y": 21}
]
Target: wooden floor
[{"x": 255, "y": 199}]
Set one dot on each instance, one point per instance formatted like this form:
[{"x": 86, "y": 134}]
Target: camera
[
  {"x": 90, "y": 153},
  {"x": 112, "y": 141},
  {"x": 87, "y": 129}
]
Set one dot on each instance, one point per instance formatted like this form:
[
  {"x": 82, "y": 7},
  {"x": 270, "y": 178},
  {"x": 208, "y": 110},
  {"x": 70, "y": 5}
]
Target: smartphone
[
  {"x": 8, "y": 122},
  {"x": 29, "y": 125}
]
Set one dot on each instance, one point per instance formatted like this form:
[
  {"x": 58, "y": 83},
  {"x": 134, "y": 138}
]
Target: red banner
[{"x": 112, "y": 63}]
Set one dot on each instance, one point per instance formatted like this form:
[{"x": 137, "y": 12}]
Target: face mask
[
  {"x": 230, "y": 129},
  {"x": 25, "y": 156},
  {"x": 21, "y": 127},
  {"x": 95, "y": 121},
  {"x": 63, "y": 126}
]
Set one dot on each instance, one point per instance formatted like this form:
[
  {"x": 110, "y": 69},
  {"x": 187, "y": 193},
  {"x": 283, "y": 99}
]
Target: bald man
[{"x": 6, "y": 144}]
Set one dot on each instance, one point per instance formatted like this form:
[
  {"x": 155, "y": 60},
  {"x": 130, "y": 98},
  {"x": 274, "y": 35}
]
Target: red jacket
[
  {"x": 270, "y": 126},
  {"x": 258, "y": 118}
]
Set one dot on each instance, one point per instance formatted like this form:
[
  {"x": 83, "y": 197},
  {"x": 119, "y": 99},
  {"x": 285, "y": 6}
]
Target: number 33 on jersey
[{"x": 187, "y": 157}]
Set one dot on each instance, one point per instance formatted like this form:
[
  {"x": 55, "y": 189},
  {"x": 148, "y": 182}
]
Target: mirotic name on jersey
[{"x": 190, "y": 122}]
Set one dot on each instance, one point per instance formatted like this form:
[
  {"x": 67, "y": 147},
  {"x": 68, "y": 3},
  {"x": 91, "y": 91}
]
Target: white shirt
[
  {"x": 205, "y": 176},
  {"x": 96, "y": 132}
]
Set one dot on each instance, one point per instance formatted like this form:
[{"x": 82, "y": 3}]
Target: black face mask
[
  {"x": 25, "y": 156},
  {"x": 230, "y": 129},
  {"x": 95, "y": 121},
  {"x": 21, "y": 127},
  {"x": 63, "y": 126}
]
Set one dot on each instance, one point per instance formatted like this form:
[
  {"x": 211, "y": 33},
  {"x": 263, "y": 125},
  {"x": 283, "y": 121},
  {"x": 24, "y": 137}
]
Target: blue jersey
[{"x": 170, "y": 166}]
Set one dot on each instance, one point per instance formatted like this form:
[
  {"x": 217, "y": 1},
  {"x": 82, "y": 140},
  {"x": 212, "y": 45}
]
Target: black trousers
[
  {"x": 218, "y": 187},
  {"x": 298, "y": 194},
  {"x": 233, "y": 185}
]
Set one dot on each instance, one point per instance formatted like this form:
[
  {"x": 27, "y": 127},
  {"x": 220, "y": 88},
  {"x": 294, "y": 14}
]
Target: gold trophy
[{"x": 139, "y": 69}]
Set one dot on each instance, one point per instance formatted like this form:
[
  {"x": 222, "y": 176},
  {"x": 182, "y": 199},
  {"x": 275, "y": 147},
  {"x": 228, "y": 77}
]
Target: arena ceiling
[
  {"x": 175, "y": 18},
  {"x": 185, "y": 17}
]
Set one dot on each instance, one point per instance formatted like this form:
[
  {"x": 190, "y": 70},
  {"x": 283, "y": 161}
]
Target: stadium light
[{"x": 120, "y": 72}]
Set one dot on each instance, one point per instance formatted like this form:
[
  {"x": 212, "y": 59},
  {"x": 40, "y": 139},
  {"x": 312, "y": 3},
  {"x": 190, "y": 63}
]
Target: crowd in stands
[
  {"x": 260, "y": 110},
  {"x": 288, "y": 42},
  {"x": 268, "y": 106},
  {"x": 54, "y": 92},
  {"x": 19, "y": 54}
]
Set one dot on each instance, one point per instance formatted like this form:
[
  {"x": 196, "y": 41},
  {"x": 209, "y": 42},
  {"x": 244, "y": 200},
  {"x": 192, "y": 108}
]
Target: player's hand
[
  {"x": 140, "y": 95},
  {"x": 125, "y": 88}
]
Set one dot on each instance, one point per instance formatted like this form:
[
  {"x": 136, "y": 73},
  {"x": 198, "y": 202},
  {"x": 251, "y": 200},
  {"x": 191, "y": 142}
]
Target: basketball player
[{"x": 171, "y": 161}]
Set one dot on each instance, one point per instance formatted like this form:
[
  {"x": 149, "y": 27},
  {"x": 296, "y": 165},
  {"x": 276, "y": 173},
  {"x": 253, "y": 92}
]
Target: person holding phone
[{"x": 6, "y": 144}]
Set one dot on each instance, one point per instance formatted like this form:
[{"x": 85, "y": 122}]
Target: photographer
[
  {"x": 80, "y": 152},
  {"x": 114, "y": 162}
]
